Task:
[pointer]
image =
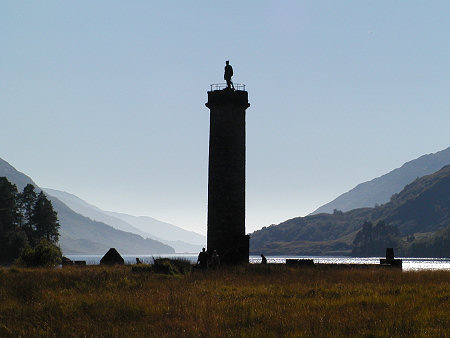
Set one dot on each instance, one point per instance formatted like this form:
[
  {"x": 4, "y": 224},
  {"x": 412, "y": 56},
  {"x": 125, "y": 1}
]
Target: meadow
[{"x": 243, "y": 301}]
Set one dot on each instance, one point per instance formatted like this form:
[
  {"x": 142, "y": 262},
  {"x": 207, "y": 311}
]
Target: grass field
[{"x": 246, "y": 301}]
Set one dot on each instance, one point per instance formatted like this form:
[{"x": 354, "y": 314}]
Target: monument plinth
[{"x": 226, "y": 175}]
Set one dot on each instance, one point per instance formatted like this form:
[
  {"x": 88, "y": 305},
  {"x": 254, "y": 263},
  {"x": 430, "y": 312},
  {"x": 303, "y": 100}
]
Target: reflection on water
[{"x": 409, "y": 264}]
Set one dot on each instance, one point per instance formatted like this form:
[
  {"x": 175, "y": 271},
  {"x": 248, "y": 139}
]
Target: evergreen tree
[
  {"x": 26, "y": 201},
  {"x": 11, "y": 238},
  {"x": 27, "y": 219},
  {"x": 373, "y": 240},
  {"x": 45, "y": 220},
  {"x": 9, "y": 212}
]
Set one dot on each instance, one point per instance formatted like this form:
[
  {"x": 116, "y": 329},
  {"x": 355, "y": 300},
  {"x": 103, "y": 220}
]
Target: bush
[
  {"x": 171, "y": 266},
  {"x": 43, "y": 254}
]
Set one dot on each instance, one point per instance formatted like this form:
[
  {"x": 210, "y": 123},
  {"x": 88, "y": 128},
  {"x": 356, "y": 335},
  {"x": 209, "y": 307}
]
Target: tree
[
  {"x": 337, "y": 212},
  {"x": 26, "y": 201},
  {"x": 373, "y": 240},
  {"x": 11, "y": 240},
  {"x": 9, "y": 212},
  {"x": 45, "y": 220},
  {"x": 26, "y": 219}
]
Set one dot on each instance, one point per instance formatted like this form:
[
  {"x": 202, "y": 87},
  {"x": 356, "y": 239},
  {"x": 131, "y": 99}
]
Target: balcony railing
[{"x": 221, "y": 86}]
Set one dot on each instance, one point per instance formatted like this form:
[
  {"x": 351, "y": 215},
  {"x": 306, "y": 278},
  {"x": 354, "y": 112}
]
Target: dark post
[
  {"x": 390, "y": 260},
  {"x": 389, "y": 254},
  {"x": 226, "y": 176}
]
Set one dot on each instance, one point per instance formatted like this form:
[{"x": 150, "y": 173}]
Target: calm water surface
[{"x": 409, "y": 264}]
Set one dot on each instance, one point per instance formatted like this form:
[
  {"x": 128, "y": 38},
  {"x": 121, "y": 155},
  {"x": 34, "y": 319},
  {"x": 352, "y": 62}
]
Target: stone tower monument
[{"x": 226, "y": 176}]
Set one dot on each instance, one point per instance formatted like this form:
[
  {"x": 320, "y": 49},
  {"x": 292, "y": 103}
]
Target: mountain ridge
[
  {"x": 147, "y": 227},
  {"x": 422, "y": 207},
  {"x": 96, "y": 235},
  {"x": 380, "y": 189}
]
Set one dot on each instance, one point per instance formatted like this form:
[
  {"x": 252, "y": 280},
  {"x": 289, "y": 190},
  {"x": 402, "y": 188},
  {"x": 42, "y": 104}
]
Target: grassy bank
[{"x": 244, "y": 301}]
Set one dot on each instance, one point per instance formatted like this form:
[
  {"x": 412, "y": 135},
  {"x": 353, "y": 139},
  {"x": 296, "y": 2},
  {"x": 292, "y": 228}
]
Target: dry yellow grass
[{"x": 248, "y": 301}]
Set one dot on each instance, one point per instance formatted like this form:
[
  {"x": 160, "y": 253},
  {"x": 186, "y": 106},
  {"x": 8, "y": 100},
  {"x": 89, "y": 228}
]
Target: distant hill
[
  {"x": 380, "y": 189},
  {"x": 323, "y": 234},
  {"x": 14, "y": 176},
  {"x": 165, "y": 232},
  {"x": 147, "y": 227},
  {"x": 81, "y": 235},
  {"x": 94, "y": 213},
  {"x": 421, "y": 208}
]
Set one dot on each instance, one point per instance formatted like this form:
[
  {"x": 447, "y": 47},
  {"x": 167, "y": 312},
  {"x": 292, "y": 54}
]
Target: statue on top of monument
[{"x": 228, "y": 74}]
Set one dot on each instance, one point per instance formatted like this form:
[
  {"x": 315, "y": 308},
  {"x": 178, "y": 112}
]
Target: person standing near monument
[
  {"x": 228, "y": 74},
  {"x": 263, "y": 259},
  {"x": 215, "y": 260},
  {"x": 202, "y": 259}
]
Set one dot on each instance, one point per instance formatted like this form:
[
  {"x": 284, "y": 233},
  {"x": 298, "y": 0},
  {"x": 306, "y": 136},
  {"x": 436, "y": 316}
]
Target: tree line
[
  {"x": 29, "y": 227},
  {"x": 372, "y": 240}
]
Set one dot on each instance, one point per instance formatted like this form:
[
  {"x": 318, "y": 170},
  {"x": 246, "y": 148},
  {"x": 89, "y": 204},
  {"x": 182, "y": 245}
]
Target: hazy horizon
[{"x": 106, "y": 100}]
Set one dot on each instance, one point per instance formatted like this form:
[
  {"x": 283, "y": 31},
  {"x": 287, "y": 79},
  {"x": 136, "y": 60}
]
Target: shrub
[
  {"x": 43, "y": 254},
  {"x": 171, "y": 266}
]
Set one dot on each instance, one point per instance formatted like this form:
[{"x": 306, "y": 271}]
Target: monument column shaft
[{"x": 226, "y": 176}]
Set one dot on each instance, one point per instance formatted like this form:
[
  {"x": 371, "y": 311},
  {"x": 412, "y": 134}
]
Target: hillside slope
[
  {"x": 81, "y": 235},
  {"x": 423, "y": 206},
  {"x": 380, "y": 189},
  {"x": 147, "y": 227},
  {"x": 94, "y": 213},
  {"x": 162, "y": 230}
]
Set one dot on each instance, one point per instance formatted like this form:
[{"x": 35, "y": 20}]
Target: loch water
[{"x": 409, "y": 264}]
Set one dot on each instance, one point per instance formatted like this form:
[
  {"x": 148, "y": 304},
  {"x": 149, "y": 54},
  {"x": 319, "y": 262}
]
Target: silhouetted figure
[
  {"x": 228, "y": 74},
  {"x": 138, "y": 261},
  {"x": 202, "y": 259},
  {"x": 215, "y": 259},
  {"x": 263, "y": 259}
]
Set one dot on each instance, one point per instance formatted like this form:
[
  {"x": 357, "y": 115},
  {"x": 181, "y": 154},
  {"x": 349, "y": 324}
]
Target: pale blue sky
[{"x": 105, "y": 99}]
